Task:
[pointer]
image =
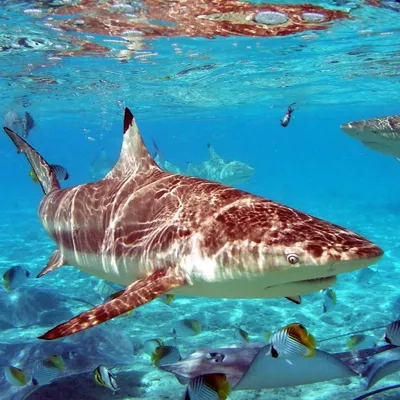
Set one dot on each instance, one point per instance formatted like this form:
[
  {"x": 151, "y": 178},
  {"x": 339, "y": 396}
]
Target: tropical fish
[
  {"x": 15, "y": 376},
  {"x": 60, "y": 171},
  {"x": 167, "y": 298},
  {"x": 14, "y": 277},
  {"x": 241, "y": 335},
  {"x": 156, "y": 232},
  {"x": 360, "y": 341},
  {"x": 105, "y": 378},
  {"x": 27, "y": 124},
  {"x": 328, "y": 299},
  {"x": 288, "y": 115},
  {"x": 365, "y": 276},
  {"x": 292, "y": 340},
  {"x": 379, "y": 134},
  {"x": 267, "y": 336},
  {"x": 47, "y": 370},
  {"x": 149, "y": 346},
  {"x": 165, "y": 355},
  {"x": 392, "y": 333},
  {"x": 186, "y": 327},
  {"x": 208, "y": 387}
]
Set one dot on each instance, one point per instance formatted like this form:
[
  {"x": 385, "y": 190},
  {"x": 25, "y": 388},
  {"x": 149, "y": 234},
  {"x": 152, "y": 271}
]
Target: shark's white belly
[{"x": 120, "y": 271}]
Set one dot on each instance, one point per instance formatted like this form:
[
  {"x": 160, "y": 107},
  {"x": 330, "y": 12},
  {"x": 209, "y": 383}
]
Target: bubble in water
[
  {"x": 270, "y": 18},
  {"x": 312, "y": 17}
]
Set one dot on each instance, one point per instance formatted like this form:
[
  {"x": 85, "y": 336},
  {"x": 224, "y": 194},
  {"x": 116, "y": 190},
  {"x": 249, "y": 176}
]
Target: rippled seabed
[{"x": 69, "y": 73}]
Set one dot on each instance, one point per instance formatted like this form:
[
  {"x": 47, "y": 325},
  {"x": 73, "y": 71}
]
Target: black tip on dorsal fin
[
  {"x": 134, "y": 157},
  {"x": 128, "y": 118}
]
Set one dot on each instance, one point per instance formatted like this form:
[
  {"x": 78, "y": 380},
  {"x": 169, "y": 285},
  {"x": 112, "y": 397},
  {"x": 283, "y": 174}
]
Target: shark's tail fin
[{"x": 45, "y": 174}]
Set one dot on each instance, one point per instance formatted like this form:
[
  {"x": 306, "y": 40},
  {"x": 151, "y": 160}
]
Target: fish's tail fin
[{"x": 45, "y": 174}]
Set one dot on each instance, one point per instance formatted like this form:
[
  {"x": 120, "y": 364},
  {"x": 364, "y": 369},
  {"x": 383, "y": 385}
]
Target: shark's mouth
[{"x": 319, "y": 280}]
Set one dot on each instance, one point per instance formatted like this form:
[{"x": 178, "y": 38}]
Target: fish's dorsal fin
[{"x": 134, "y": 157}]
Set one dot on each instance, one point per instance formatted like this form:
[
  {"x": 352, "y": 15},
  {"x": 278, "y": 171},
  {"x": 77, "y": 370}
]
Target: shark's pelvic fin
[
  {"x": 134, "y": 157},
  {"x": 45, "y": 174},
  {"x": 295, "y": 299},
  {"x": 56, "y": 261},
  {"x": 138, "y": 293}
]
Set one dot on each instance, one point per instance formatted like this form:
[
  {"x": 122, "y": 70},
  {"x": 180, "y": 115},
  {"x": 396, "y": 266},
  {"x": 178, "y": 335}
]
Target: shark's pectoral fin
[
  {"x": 138, "y": 293},
  {"x": 56, "y": 261},
  {"x": 295, "y": 299}
]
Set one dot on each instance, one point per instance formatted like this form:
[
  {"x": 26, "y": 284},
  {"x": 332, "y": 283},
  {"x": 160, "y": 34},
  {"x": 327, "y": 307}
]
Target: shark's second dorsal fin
[{"x": 134, "y": 157}]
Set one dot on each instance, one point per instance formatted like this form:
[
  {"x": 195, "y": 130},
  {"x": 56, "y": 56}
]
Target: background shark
[
  {"x": 156, "y": 232},
  {"x": 218, "y": 169},
  {"x": 379, "y": 134}
]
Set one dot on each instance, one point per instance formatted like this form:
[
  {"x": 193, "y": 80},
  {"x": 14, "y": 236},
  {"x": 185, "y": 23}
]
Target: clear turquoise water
[{"x": 236, "y": 106}]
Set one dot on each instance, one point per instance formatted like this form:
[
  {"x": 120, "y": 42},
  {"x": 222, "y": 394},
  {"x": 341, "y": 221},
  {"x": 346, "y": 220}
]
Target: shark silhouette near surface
[
  {"x": 157, "y": 232},
  {"x": 379, "y": 134},
  {"x": 216, "y": 168}
]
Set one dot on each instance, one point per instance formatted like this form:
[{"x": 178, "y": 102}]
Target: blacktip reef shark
[
  {"x": 216, "y": 168},
  {"x": 379, "y": 134},
  {"x": 157, "y": 232}
]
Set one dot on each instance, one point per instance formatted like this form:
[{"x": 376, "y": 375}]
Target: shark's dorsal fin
[
  {"x": 213, "y": 155},
  {"x": 134, "y": 157}
]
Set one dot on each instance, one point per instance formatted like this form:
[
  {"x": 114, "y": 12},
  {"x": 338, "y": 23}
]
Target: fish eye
[
  {"x": 292, "y": 258},
  {"x": 302, "y": 327}
]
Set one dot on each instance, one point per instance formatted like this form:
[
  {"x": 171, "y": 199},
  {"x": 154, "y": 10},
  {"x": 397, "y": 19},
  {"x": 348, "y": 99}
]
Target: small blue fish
[
  {"x": 14, "y": 277},
  {"x": 328, "y": 300}
]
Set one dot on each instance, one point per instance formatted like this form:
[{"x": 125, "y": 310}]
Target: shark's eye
[{"x": 292, "y": 258}]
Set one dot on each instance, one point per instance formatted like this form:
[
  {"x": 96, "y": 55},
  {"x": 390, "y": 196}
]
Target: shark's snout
[{"x": 282, "y": 248}]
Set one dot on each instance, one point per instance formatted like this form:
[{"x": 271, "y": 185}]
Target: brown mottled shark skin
[
  {"x": 379, "y": 134},
  {"x": 157, "y": 232}
]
